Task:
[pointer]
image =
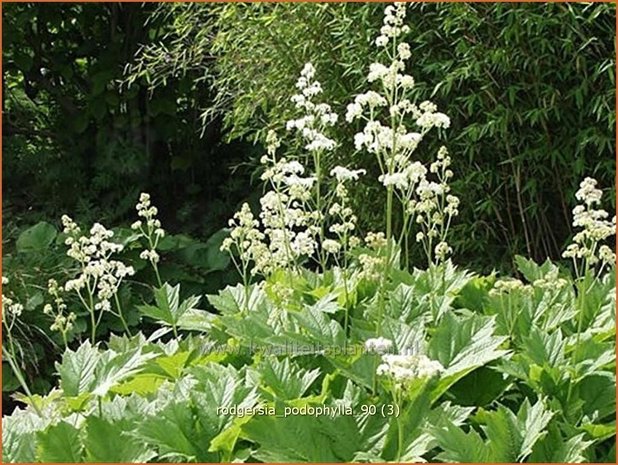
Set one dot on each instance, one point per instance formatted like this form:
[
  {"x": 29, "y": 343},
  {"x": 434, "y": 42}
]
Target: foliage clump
[{"x": 434, "y": 362}]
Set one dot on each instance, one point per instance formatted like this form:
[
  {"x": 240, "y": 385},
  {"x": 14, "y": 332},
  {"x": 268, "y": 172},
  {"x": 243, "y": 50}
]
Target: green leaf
[
  {"x": 77, "y": 370},
  {"x": 598, "y": 391},
  {"x": 458, "y": 446},
  {"x": 462, "y": 344},
  {"x": 233, "y": 299},
  {"x": 510, "y": 437},
  {"x": 544, "y": 349},
  {"x": 480, "y": 388},
  {"x": 219, "y": 387},
  {"x": 303, "y": 438},
  {"x": 37, "y": 238},
  {"x": 115, "y": 368},
  {"x": 142, "y": 384},
  {"x": 169, "y": 310},
  {"x": 19, "y": 436},
  {"x": 60, "y": 443},
  {"x": 555, "y": 448},
  {"x": 107, "y": 442},
  {"x": 216, "y": 259},
  {"x": 533, "y": 421},
  {"x": 283, "y": 379},
  {"x": 314, "y": 326},
  {"x": 531, "y": 271},
  {"x": 173, "y": 433}
]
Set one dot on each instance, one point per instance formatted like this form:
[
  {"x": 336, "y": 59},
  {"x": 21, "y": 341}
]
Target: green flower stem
[
  {"x": 120, "y": 315},
  {"x": 9, "y": 356}
]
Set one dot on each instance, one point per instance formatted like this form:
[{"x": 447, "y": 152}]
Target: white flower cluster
[
  {"x": 403, "y": 369},
  {"x": 594, "y": 228},
  {"x": 63, "y": 322},
  {"x": 343, "y": 174},
  {"x": 508, "y": 286},
  {"x": 393, "y": 27},
  {"x": 317, "y": 117},
  {"x": 344, "y": 219},
  {"x": 287, "y": 227},
  {"x": 394, "y": 143},
  {"x": 433, "y": 206},
  {"x": 149, "y": 228},
  {"x": 551, "y": 281},
  {"x": 11, "y": 309},
  {"x": 246, "y": 241},
  {"x": 100, "y": 276},
  {"x": 290, "y": 225},
  {"x": 371, "y": 266},
  {"x": 379, "y": 345}
]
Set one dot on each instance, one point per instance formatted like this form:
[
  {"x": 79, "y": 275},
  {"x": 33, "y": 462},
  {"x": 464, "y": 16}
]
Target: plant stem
[
  {"x": 10, "y": 358},
  {"x": 156, "y": 270},
  {"x": 121, "y": 316}
]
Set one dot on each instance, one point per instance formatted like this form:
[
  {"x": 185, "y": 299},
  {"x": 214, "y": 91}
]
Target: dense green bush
[{"x": 76, "y": 140}]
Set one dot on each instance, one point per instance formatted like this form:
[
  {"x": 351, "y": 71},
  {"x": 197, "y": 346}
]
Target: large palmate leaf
[
  {"x": 598, "y": 392},
  {"x": 236, "y": 299},
  {"x": 173, "y": 433},
  {"x": 107, "y": 442},
  {"x": 459, "y": 446},
  {"x": 438, "y": 287},
  {"x": 462, "y": 344},
  {"x": 114, "y": 368},
  {"x": 421, "y": 440},
  {"x": 404, "y": 303},
  {"x": 544, "y": 349},
  {"x": 169, "y": 309},
  {"x": 77, "y": 370},
  {"x": 303, "y": 438},
  {"x": 60, "y": 443},
  {"x": 190, "y": 416},
  {"x": 17, "y": 446},
  {"x": 510, "y": 437},
  {"x": 87, "y": 370},
  {"x": 19, "y": 435},
  {"x": 532, "y": 271},
  {"x": 219, "y": 387},
  {"x": 37, "y": 238},
  {"x": 315, "y": 327},
  {"x": 283, "y": 379},
  {"x": 555, "y": 448}
]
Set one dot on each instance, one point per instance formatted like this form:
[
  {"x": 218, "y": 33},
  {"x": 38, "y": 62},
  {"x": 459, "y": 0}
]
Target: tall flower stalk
[
  {"x": 100, "y": 275},
  {"x": 589, "y": 255},
  {"x": 149, "y": 228},
  {"x": 387, "y": 113}
]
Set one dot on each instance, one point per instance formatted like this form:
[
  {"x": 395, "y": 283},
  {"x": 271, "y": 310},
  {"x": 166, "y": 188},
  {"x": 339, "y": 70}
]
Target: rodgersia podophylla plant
[
  {"x": 99, "y": 274},
  {"x": 149, "y": 228},
  {"x": 387, "y": 113},
  {"x": 312, "y": 129},
  {"x": 589, "y": 255},
  {"x": 593, "y": 228},
  {"x": 291, "y": 226}
]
